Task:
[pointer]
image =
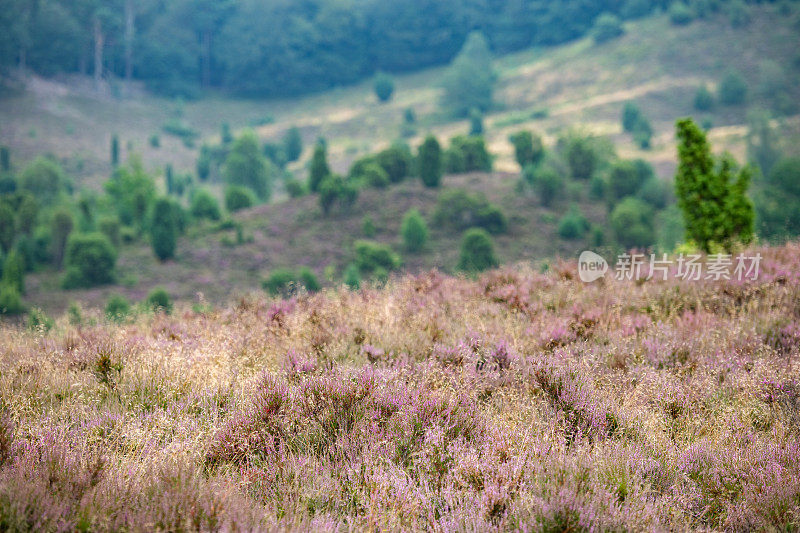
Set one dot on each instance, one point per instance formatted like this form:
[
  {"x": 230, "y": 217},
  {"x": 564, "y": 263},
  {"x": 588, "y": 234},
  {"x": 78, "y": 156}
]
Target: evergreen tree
[
  {"x": 715, "y": 211},
  {"x": 5, "y": 159},
  {"x": 114, "y": 151},
  {"x": 14, "y": 272},
  {"x": 292, "y": 144},
  {"x": 414, "y": 231},
  {"x": 319, "y": 167},
  {"x": 7, "y": 229},
  {"x": 429, "y": 160},
  {"x": 477, "y": 251},
  {"x": 469, "y": 83},
  {"x": 163, "y": 229},
  {"x": 90, "y": 261},
  {"x": 528, "y": 148},
  {"x": 247, "y": 166},
  {"x": 383, "y": 86},
  {"x": 61, "y": 229}
]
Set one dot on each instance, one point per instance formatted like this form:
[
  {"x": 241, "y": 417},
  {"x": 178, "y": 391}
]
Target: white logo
[{"x": 591, "y": 266}]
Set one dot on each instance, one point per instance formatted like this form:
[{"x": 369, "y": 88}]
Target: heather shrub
[
  {"x": 281, "y": 281},
  {"x": 573, "y": 225},
  {"x": 204, "y": 206},
  {"x": 352, "y": 276},
  {"x": 373, "y": 175},
  {"x": 414, "y": 231},
  {"x": 467, "y": 154},
  {"x": 39, "y": 321},
  {"x": 397, "y": 161},
  {"x": 477, "y": 251},
  {"x": 308, "y": 279}
]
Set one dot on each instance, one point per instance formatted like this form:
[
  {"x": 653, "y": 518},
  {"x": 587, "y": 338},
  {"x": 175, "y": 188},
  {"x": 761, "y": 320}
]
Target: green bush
[
  {"x": 334, "y": 190},
  {"x": 624, "y": 179},
  {"x": 492, "y": 219},
  {"x": 703, "y": 99},
  {"x": 632, "y": 223},
  {"x": 732, "y": 89},
  {"x": 352, "y": 277},
  {"x": 319, "y": 169},
  {"x": 546, "y": 182},
  {"x": 117, "y": 308},
  {"x": 39, "y": 321},
  {"x": 475, "y": 122},
  {"x": 630, "y": 116},
  {"x": 654, "y": 192},
  {"x": 597, "y": 188},
  {"x": 307, "y": 278},
  {"x": 7, "y": 223},
  {"x": 477, "y": 251},
  {"x": 458, "y": 209},
  {"x": 573, "y": 225},
  {"x": 292, "y": 144},
  {"x": 581, "y": 157},
  {"x": 368, "y": 227},
  {"x": 14, "y": 271},
  {"x": 43, "y": 178},
  {"x": 607, "y": 27},
  {"x": 383, "y": 86},
  {"x": 397, "y": 161},
  {"x": 528, "y": 148},
  {"x": 469, "y": 82},
  {"x": 281, "y": 281},
  {"x": 164, "y": 229},
  {"x": 294, "y": 188},
  {"x": 414, "y": 231},
  {"x": 371, "y": 256},
  {"x": 10, "y": 300},
  {"x": 373, "y": 175},
  {"x": 238, "y": 197},
  {"x": 467, "y": 154},
  {"x": 155, "y": 141},
  {"x": 90, "y": 261},
  {"x": 429, "y": 161},
  {"x": 642, "y": 133},
  {"x": 204, "y": 205},
  {"x": 159, "y": 301},
  {"x": 180, "y": 129},
  {"x": 246, "y": 166},
  {"x": 680, "y": 14}
]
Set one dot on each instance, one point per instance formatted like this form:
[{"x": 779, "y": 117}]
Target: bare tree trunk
[
  {"x": 129, "y": 33},
  {"x": 99, "y": 42}
]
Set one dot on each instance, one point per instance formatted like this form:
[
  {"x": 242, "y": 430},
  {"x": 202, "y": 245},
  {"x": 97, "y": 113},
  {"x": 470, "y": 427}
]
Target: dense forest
[{"x": 279, "y": 47}]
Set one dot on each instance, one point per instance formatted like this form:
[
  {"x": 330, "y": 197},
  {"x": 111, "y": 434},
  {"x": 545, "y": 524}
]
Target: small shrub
[
  {"x": 204, "y": 206},
  {"x": 397, "y": 161},
  {"x": 368, "y": 227},
  {"x": 732, "y": 89},
  {"x": 475, "y": 122},
  {"x": 383, "y": 86},
  {"x": 607, "y": 27},
  {"x": 430, "y": 162},
  {"x": 632, "y": 223},
  {"x": 546, "y": 182},
  {"x": 573, "y": 225},
  {"x": 373, "y": 175},
  {"x": 307, "y": 278},
  {"x": 492, "y": 219},
  {"x": 703, "y": 99},
  {"x": 630, "y": 115},
  {"x": 654, "y": 192},
  {"x": 39, "y": 321},
  {"x": 294, "y": 188},
  {"x": 90, "y": 261},
  {"x": 528, "y": 148},
  {"x": 352, "y": 277},
  {"x": 414, "y": 231},
  {"x": 371, "y": 256},
  {"x": 333, "y": 190},
  {"x": 159, "y": 301},
  {"x": 117, "y": 308},
  {"x": 155, "y": 141},
  {"x": 10, "y": 300},
  {"x": 238, "y": 197},
  {"x": 280, "y": 281},
  {"x": 467, "y": 154},
  {"x": 477, "y": 251}
]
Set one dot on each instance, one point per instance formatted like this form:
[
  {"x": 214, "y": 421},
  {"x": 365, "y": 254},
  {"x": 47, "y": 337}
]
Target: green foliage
[
  {"x": 738, "y": 13},
  {"x": 39, "y": 321},
  {"x": 159, "y": 301},
  {"x": 383, "y": 85},
  {"x": 155, "y": 141},
  {"x": 414, "y": 231},
  {"x": 630, "y": 116},
  {"x": 778, "y": 201},
  {"x": 528, "y": 148},
  {"x": 762, "y": 141},
  {"x": 469, "y": 82},
  {"x": 114, "y": 150},
  {"x": 581, "y": 156},
  {"x": 467, "y": 154},
  {"x": 61, "y": 228},
  {"x": 7, "y": 226},
  {"x": 372, "y": 257},
  {"x": 10, "y": 300},
  {"x": 457, "y": 209},
  {"x": 44, "y": 179},
  {"x": 204, "y": 205},
  {"x": 397, "y": 161},
  {"x": 368, "y": 228},
  {"x": 373, "y": 175},
  {"x": 680, "y": 14},
  {"x": 492, "y": 219},
  {"x": 292, "y": 144},
  {"x": 133, "y": 192},
  {"x": 429, "y": 161},
  {"x": 642, "y": 133},
  {"x": 294, "y": 187},
  {"x": 319, "y": 167},
  {"x": 246, "y": 166},
  {"x": 334, "y": 190},
  {"x": 352, "y": 277},
  {"x": 110, "y": 227},
  {"x": 632, "y": 223},
  {"x": 164, "y": 229},
  {"x": 654, "y": 192},
  {"x": 225, "y": 135},
  {"x": 732, "y": 89},
  {"x": 624, "y": 179},
  {"x": 275, "y": 153},
  {"x": 178, "y": 128},
  {"x": 573, "y": 225},
  {"x": 238, "y": 197},
  {"x": 703, "y": 99},
  {"x": 597, "y": 188},
  {"x": 280, "y": 281},
  {"x": 546, "y": 181},
  {"x": 607, "y": 27},
  {"x": 475, "y": 122},
  {"x": 14, "y": 272},
  {"x": 715, "y": 206},
  {"x": 90, "y": 261},
  {"x": 117, "y": 308},
  {"x": 204, "y": 163},
  {"x": 5, "y": 159},
  {"x": 308, "y": 279},
  {"x": 477, "y": 251}
]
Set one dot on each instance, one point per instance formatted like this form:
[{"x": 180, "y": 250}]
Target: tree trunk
[
  {"x": 99, "y": 42},
  {"x": 129, "y": 34}
]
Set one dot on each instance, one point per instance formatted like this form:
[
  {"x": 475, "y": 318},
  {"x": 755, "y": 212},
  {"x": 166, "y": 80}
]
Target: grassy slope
[
  {"x": 436, "y": 404},
  {"x": 580, "y": 84}
]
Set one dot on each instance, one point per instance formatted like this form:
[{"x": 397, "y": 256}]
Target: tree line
[{"x": 281, "y": 47}]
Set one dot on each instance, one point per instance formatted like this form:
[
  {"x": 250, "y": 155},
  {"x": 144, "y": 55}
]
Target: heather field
[{"x": 514, "y": 401}]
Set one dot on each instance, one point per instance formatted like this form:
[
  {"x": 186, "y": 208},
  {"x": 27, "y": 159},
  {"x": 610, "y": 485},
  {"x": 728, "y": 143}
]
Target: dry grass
[{"x": 514, "y": 401}]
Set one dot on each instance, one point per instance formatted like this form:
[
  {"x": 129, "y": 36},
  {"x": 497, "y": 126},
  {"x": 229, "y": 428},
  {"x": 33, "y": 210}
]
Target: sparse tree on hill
[
  {"x": 61, "y": 229},
  {"x": 292, "y": 144},
  {"x": 414, "y": 231},
  {"x": 319, "y": 167},
  {"x": 469, "y": 83},
  {"x": 383, "y": 86},
  {"x": 477, "y": 251},
  {"x": 247, "y": 166},
  {"x": 90, "y": 261},
  {"x": 163, "y": 229},
  {"x": 114, "y": 151},
  {"x": 429, "y": 160},
  {"x": 528, "y": 148}
]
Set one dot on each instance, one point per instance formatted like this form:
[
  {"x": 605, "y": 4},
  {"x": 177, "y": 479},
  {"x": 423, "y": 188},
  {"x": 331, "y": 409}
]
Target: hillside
[
  {"x": 580, "y": 86},
  {"x": 514, "y": 400}
]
